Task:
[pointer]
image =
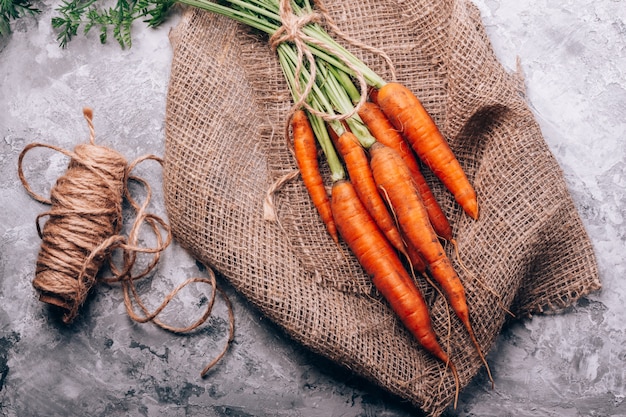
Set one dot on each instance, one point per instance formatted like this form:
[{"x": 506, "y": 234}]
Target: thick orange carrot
[
  {"x": 358, "y": 167},
  {"x": 381, "y": 262},
  {"x": 305, "y": 151},
  {"x": 384, "y": 132},
  {"x": 394, "y": 178},
  {"x": 407, "y": 114}
]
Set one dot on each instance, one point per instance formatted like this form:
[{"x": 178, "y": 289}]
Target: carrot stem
[
  {"x": 247, "y": 18},
  {"x": 346, "y": 82},
  {"x": 341, "y": 100},
  {"x": 318, "y": 102},
  {"x": 372, "y": 78},
  {"x": 264, "y": 16}
]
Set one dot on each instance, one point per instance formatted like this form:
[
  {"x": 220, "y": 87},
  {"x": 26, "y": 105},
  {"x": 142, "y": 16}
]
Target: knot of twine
[
  {"x": 83, "y": 230},
  {"x": 291, "y": 30}
]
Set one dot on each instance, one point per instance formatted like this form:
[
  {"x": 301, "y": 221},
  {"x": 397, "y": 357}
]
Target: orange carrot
[
  {"x": 358, "y": 166},
  {"x": 414, "y": 257},
  {"x": 407, "y": 114},
  {"x": 392, "y": 176},
  {"x": 372, "y": 94},
  {"x": 332, "y": 134},
  {"x": 385, "y": 133},
  {"x": 380, "y": 261},
  {"x": 305, "y": 151}
]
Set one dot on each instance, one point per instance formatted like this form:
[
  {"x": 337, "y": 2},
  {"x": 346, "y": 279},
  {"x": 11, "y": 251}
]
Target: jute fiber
[
  {"x": 226, "y": 108},
  {"x": 85, "y": 227}
]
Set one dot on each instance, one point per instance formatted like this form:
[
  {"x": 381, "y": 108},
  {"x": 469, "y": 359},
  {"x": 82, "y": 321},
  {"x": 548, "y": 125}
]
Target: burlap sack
[{"x": 226, "y": 107}]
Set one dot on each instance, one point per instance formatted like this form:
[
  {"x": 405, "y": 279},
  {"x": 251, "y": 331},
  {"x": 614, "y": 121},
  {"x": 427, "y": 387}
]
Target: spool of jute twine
[{"x": 83, "y": 230}]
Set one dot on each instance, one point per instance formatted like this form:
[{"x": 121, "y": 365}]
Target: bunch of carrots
[
  {"x": 372, "y": 138},
  {"x": 382, "y": 206}
]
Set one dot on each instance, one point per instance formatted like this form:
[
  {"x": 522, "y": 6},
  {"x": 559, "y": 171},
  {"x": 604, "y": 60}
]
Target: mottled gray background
[{"x": 573, "y": 55}]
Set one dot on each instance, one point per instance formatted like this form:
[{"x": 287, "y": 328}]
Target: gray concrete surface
[{"x": 573, "y": 55}]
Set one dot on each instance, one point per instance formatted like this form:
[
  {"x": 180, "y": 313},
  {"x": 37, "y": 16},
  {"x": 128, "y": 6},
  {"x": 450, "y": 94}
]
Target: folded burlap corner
[{"x": 226, "y": 107}]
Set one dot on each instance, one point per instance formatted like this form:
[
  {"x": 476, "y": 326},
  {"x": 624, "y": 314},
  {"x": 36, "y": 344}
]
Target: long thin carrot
[
  {"x": 384, "y": 132},
  {"x": 381, "y": 262},
  {"x": 358, "y": 167},
  {"x": 406, "y": 113},
  {"x": 305, "y": 151},
  {"x": 394, "y": 178}
]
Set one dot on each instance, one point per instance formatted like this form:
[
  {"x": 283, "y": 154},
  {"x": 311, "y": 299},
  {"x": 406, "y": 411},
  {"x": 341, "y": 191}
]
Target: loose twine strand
[
  {"x": 83, "y": 230},
  {"x": 291, "y": 30}
]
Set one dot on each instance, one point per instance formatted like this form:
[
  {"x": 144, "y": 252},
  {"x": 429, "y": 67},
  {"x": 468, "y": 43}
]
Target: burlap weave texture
[{"x": 226, "y": 106}]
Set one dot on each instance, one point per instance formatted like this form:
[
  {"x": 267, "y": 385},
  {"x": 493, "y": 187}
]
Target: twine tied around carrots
[
  {"x": 292, "y": 30},
  {"x": 83, "y": 230}
]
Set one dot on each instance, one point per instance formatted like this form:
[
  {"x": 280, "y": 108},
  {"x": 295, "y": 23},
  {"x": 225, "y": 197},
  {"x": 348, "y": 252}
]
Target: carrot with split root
[
  {"x": 407, "y": 114},
  {"x": 385, "y": 133},
  {"x": 382, "y": 264},
  {"x": 394, "y": 178}
]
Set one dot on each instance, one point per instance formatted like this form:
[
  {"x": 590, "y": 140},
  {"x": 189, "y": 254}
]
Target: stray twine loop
[{"x": 83, "y": 230}]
